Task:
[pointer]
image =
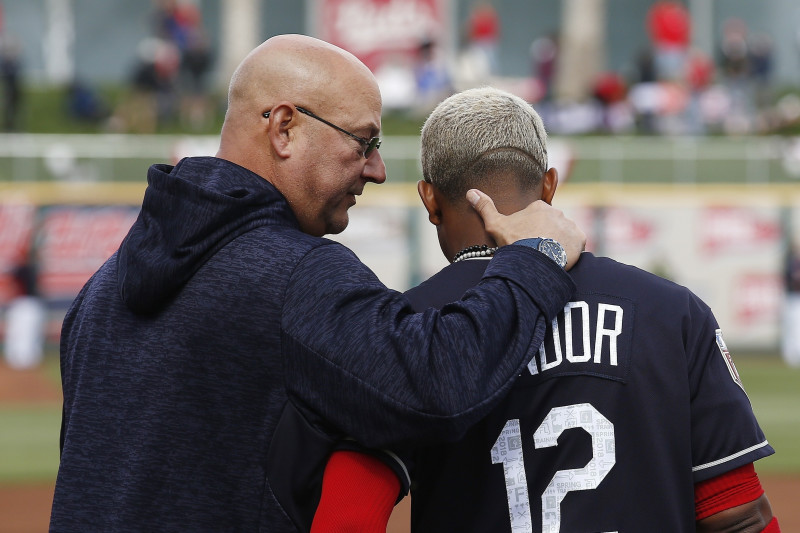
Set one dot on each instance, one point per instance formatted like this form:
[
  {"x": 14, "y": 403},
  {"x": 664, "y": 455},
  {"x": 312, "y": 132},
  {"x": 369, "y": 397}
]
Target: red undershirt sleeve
[
  {"x": 736, "y": 487},
  {"x": 731, "y": 489},
  {"x": 358, "y": 494}
]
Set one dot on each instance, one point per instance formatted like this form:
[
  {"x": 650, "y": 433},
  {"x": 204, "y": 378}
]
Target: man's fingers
[
  {"x": 484, "y": 205},
  {"x": 538, "y": 219}
]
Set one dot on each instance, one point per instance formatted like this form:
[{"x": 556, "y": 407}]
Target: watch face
[{"x": 554, "y": 251}]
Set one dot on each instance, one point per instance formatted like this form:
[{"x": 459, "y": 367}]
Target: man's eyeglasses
[{"x": 368, "y": 144}]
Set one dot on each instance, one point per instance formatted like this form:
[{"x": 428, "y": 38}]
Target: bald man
[{"x": 226, "y": 324}]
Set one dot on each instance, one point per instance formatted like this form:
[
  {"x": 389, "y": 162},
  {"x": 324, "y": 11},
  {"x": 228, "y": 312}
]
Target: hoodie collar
[{"x": 189, "y": 212}]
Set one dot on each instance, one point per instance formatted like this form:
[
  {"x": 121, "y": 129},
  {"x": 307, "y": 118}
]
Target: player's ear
[
  {"x": 549, "y": 185},
  {"x": 427, "y": 193}
]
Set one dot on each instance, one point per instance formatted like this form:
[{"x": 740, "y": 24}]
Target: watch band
[{"x": 548, "y": 247}]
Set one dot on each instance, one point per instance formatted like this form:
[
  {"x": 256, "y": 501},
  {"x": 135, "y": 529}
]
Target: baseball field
[{"x": 30, "y": 415}]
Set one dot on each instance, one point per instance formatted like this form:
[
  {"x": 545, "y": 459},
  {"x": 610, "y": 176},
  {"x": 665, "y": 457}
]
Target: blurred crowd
[
  {"x": 169, "y": 78},
  {"x": 673, "y": 88},
  {"x": 666, "y": 87},
  {"x": 168, "y": 81},
  {"x": 669, "y": 87}
]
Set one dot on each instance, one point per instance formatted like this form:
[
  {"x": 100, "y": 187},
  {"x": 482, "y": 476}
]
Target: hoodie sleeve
[{"x": 359, "y": 357}]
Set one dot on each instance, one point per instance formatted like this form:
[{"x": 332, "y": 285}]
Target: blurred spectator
[
  {"x": 483, "y": 31},
  {"x": 544, "y": 61},
  {"x": 179, "y": 22},
  {"x": 176, "y": 77},
  {"x": 699, "y": 71},
  {"x": 761, "y": 52},
  {"x": 433, "y": 83},
  {"x": 797, "y": 42},
  {"x": 645, "y": 67},
  {"x": 669, "y": 26},
  {"x": 10, "y": 77},
  {"x": 609, "y": 88},
  {"x": 734, "y": 60},
  {"x": 84, "y": 104},
  {"x": 660, "y": 107},
  {"x": 174, "y": 20},
  {"x": 153, "y": 79},
  {"x": 472, "y": 67},
  {"x": 734, "y": 56},
  {"x": 395, "y": 77},
  {"x": 761, "y": 57},
  {"x": 195, "y": 63},
  {"x": 643, "y": 88},
  {"x": 699, "y": 77},
  {"x": 25, "y": 321},
  {"x": 790, "y": 342},
  {"x": 610, "y": 92}
]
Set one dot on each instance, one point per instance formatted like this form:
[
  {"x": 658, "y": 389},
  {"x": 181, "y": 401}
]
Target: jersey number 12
[{"x": 507, "y": 450}]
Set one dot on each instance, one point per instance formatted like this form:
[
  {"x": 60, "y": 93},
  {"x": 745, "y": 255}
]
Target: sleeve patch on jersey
[{"x": 726, "y": 355}]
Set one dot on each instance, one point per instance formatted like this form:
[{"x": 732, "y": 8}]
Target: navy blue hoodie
[{"x": 192, "y": 357}]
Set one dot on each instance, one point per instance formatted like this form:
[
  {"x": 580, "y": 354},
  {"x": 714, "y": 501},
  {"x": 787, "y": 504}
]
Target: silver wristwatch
[{"x": 548, "y": 247}]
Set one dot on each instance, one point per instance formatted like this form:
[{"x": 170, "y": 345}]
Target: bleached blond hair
[{"x": 475, "y": 134}]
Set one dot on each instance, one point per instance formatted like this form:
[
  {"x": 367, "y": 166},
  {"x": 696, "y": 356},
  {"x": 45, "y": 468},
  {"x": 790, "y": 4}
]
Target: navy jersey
[{"x": 632, "y": 399}]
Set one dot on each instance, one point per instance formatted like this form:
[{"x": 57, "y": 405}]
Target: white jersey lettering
[
  {"x": 612, "y": 334},
  {"x": 560, "y": 348}
]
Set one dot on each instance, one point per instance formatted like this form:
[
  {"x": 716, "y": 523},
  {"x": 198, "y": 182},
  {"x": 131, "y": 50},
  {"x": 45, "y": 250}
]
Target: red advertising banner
[
  {"x": 375, "y": 30},
  {"x": 759, "y": 296},
  {"x": 73, "y": 242},
  {"x": 627, "y": 229},
  {"x": 737, "y": 230}
]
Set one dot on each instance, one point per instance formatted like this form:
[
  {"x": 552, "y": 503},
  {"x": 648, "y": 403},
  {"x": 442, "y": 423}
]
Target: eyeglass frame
[{"x": 369, "y": 144}]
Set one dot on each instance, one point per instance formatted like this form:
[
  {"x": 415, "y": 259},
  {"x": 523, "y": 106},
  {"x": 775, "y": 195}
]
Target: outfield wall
[
  {"x": 714, "y": 214},
  {"x": 727, "y": 243}
]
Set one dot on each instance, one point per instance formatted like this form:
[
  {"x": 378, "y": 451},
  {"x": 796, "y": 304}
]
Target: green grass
[
  {"x": 29, "y": 444},
  {"x": 774, "y": 391},
  {"x": 45, "y": 110},
  {"x": 29, "y": 434}
]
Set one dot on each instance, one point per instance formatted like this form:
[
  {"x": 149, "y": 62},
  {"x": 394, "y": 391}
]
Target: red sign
[
  {"x": 737, "y": 229},
  {"x": 373, "y": 30},
  {"x": 74, "y": 242},
  {"x": 626, "y": 229},
  {"x": 758, "y": 297}
]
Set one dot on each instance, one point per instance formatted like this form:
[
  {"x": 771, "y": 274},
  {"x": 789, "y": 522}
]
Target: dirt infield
[
  {"x": 26, "y": 508},
  {"x": 782, "y": 493},
  {"x": 28, "y": 387}
]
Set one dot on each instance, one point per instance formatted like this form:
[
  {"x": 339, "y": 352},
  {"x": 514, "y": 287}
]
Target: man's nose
[{"x": 375, "y": 169}]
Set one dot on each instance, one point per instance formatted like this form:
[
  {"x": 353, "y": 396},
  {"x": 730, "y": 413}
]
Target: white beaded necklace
[{"x": 476, "y": 250}]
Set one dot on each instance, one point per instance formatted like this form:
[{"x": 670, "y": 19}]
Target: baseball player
[{"x": 630, "y": 417}]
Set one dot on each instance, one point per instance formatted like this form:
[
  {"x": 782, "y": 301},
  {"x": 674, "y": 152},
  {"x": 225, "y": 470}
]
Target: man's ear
[
  {"x": 549, "y": 185},
  {"x": 281, "y": 121},
  {"x": 427, "y": 192}
]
